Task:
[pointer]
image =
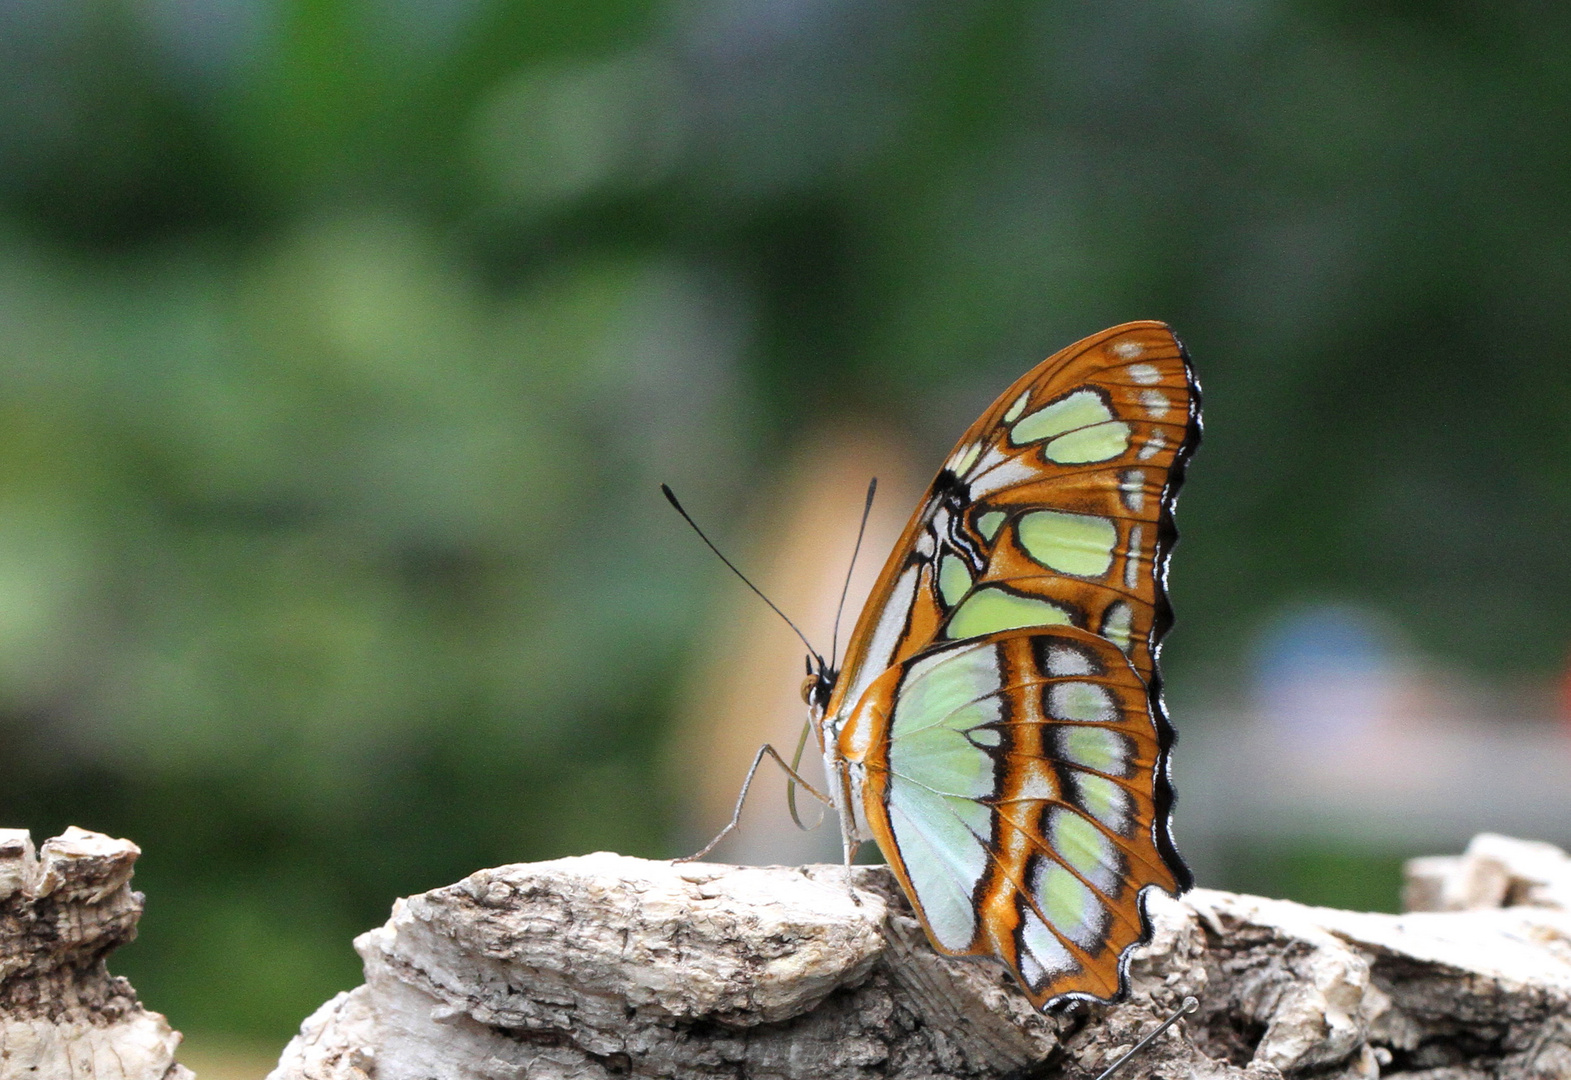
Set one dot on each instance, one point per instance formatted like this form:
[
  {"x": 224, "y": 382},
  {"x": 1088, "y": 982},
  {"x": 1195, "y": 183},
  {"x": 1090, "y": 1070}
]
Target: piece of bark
[
  {"x": 63, "y": 909},
  {"x": 1494, "y": 871},
  {"x": 605, "y": 966}
]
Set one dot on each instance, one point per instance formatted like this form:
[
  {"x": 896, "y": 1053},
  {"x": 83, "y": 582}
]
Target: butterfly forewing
[
  {"x": 1055, "y": 508},
  {"x": 999, "y": 702}
]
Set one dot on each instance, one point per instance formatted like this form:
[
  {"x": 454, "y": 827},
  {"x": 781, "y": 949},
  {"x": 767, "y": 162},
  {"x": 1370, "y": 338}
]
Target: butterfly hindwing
[
  {"x": 1010, "y": 781},
  {"x": 999, "y": 702}
]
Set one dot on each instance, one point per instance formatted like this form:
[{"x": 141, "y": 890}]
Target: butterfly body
[{"x": 997, "y": 724}]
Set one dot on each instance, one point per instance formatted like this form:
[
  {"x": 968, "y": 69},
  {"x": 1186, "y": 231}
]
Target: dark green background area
[{"x": 343, "y": 346}]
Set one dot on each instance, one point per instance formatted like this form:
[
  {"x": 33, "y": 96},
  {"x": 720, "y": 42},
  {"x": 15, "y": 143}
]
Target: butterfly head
[{"x": 819, "y": 684}]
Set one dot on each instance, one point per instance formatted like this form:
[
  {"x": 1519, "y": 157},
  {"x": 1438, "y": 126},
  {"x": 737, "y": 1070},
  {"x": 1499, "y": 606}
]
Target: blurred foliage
[
  {"x": 1350, "y": 877},
  {"x": 345, "y": 343}
]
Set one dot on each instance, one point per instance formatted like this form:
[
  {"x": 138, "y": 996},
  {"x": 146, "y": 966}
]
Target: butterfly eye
[{"x": 808, "y": 685}]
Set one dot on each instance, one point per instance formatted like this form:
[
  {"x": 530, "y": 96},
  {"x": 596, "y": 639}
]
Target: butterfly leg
[
  {"x": 851, "y": 847},
  {"x": 736, "y": 815},
  {"x": 849, "y": 842}
]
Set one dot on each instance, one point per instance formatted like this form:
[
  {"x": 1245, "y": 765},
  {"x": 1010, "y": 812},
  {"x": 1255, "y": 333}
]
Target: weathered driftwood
[
  {"x": 1494, "y": 871},
  {"x": 610, "y": 966},
  {"x": 63, "y": 909}
]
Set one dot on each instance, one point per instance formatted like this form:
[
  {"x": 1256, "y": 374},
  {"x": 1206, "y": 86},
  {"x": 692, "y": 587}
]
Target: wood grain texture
[
  {"x": 63, "y": 909},
  {"x": 606, "y": 966}
]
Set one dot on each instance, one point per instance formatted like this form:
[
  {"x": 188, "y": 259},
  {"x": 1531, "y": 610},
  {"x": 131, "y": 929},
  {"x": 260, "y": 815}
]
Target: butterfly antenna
[
  {"x": 867, "y": 508},
  {"x": 671, "y": 498}
]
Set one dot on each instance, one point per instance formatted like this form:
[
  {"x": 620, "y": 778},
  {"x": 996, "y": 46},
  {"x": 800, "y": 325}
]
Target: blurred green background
[{"x": 343, "y": 346}]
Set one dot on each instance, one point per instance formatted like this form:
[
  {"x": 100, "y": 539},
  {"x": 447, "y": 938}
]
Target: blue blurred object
[{"x": 1325, "y": 673}]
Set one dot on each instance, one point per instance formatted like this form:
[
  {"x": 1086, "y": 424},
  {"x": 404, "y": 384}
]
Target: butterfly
[{"x": 997, "y": 724}]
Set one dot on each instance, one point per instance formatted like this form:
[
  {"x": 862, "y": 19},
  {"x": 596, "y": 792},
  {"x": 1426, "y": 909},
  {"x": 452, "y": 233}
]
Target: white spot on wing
[
  {"x": 1156, "y": 403},
  {"x": 1006, "y": 474},
  {"x": 994, "y": 456},
  {"x": 1117, "y": 623},
  {"x": 1132, "y": 558},
  {"x": 1043, "y": 947},
  {"x": 1132, "y": 486},
  {"x": 963, "y": 458},
  {"x": 1068, "y": 660},
  {"x": 1153, "y": 446},
  {"x": 1037, "y": 786},
  {"x": 1144, "y": 374},
  {"x": 1031, "y": 969},
  {"x": 1081, "y": 702},
  {"x": 1128, "y": 350}
]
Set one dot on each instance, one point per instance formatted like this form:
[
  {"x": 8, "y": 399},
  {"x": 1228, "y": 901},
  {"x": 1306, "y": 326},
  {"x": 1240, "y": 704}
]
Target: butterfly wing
[
  {"x": 1055, "y": 508},
  {"x": 1049, "y": 527},
  {"x": 1012, "y": 783}
]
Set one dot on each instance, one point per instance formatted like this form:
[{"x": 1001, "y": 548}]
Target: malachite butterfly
[{"x": 997, "y": 725}]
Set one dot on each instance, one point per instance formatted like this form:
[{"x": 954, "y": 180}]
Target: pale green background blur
[{"x": 343, "y": 347}]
